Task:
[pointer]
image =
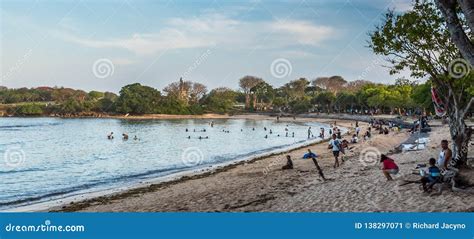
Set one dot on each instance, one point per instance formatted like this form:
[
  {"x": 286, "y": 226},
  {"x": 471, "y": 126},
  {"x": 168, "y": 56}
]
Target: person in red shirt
[{"x": 388, "y": 166}]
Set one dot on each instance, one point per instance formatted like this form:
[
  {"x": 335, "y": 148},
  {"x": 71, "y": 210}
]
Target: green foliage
[
  {"x": 138, "y": 99},
  {"x": 28, "y": 109},
  {"x": 220, "y": 100},
  {"x": 302, "y": 105}
]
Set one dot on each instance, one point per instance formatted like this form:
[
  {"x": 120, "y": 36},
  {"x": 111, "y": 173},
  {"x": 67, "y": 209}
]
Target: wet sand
[{"x": 261, "y": 185}]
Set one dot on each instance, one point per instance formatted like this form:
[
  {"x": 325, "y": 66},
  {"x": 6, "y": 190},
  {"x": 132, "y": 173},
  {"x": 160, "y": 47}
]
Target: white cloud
[{"x": 211, "y": 30}]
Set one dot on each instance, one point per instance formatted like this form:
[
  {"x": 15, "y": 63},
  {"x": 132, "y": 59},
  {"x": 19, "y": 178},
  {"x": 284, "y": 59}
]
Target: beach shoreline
[
  {"x": 200, "y": 175},
  {"x": 177, "y": 176},
  {"x": 259, "y": 184}
]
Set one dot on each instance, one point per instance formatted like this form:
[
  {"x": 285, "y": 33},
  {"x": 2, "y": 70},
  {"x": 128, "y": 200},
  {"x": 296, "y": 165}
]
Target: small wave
[
  {"x": 27, "y": 125},
  {"x": 92, "y": 184},
  {"x": 22, "y": 171}
]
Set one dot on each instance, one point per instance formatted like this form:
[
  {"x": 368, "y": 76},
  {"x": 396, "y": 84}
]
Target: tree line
[{"x": 323, "y": 94}]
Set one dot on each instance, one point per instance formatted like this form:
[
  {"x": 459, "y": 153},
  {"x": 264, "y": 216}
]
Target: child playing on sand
[
  {"x": 433, "y": 176},
  {"x": 388, "y": 166}
]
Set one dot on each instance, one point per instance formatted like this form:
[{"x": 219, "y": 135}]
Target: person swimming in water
[
  {"x": 293, "y": 134},
  {"x": 135, "y": 138},
  {"x": 271, "y": 132},
  {"x": 266, "y": 136},
  {"x": 111, "y": 135},
  {"x": 125, "y": 136}
]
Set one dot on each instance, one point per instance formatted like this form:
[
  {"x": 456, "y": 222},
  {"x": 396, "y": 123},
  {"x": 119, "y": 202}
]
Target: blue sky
[{"x": 63, "y": 43}]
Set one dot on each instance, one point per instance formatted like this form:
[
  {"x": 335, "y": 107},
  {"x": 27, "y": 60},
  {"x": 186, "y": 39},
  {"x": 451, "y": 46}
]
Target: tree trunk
[
  {"x": 247, "y": 100},
  {"x": 459, "y": 37},
  {"x": 254, "y": 104},
  {"x": 460, "y": 135},
  {"x": 467, "y": 7}
]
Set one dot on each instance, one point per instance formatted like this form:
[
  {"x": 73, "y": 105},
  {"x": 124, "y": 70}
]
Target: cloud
[{"x": 213, "y": 29}]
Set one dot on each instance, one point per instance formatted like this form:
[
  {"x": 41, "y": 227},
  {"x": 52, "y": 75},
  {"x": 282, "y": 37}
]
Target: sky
[{"x": 104, "y": 45}]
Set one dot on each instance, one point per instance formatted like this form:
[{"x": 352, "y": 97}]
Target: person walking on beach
[
  {"x": 388, "y": 167},
  {"x": 335, "y": 145}
]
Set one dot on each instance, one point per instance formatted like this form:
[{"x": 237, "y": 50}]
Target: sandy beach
[{"x": 261, "y": 185}]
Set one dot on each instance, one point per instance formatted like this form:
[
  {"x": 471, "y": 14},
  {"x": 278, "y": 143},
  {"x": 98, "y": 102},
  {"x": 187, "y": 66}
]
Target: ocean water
[{"x": 46, "y": 158}]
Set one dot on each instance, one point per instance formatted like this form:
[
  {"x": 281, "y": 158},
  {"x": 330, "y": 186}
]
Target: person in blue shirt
[{"x": 432, "y": 177}]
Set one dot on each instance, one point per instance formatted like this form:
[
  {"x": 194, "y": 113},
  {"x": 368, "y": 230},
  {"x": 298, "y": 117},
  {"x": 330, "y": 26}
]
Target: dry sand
[{"x": 261, "y": 185}]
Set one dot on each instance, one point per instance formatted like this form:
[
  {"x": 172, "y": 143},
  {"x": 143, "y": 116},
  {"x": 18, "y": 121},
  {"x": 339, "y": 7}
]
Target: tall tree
[
  {"x": 418, "y": 41},
  {"x": 247, "y": 83},
  {"x": 333, "y": 83}
]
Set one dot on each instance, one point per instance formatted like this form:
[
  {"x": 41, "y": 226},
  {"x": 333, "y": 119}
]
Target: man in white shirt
[{"x": 335, "y": 145}]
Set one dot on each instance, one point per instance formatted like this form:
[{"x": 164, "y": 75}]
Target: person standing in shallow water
[{"x": 309, "y": 132}]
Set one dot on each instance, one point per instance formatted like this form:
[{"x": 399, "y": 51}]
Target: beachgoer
[
  {"x": 293, "y": 134},
  {"x": 335, "y": 145},
  {"x": 271, "y": 132},
  {"x": 289, "y": 163},
  {"x": 354, "y": 139},
  {"x": 111, "y": 135},
  {"x": 357, "y": 131},
  {"x": 125, "y": 136},
  {"x": 433, "y": 175},
  {"x": 388, "y": 166},
  {"x": 309, "y": 132},
  {"x": 266, "y": 136},
  {"x": 444, "y": 156},
  {"x": 135, "y": 138}
]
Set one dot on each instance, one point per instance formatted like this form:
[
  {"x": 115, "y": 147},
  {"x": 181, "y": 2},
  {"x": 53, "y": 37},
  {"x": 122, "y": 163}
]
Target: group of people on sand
[
  {"x": 430, "y": 173},
  {"x": 337, "y": 145},
  {"x": 124, "y": 136}
]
